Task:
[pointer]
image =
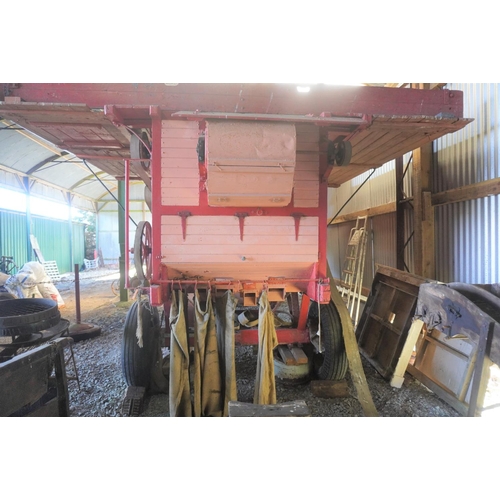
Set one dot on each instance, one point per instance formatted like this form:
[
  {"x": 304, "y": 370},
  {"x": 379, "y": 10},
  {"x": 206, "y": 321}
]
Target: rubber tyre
[
  {"x": 332, "y": 364},
  {"x": 138, "y": 362}
]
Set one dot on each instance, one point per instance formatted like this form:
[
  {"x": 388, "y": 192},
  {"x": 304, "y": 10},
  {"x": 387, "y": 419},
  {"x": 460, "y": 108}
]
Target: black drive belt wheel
[
  {"x": 140, "y": 147},
  {"x": 332, "y": 363},
  {"x": 138, "y": 362}
]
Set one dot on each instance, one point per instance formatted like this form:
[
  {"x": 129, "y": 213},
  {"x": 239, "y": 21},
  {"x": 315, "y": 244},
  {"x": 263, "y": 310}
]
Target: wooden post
[
  {"x": 423, "y": 212},
  {"x": 400, "y": 215}
]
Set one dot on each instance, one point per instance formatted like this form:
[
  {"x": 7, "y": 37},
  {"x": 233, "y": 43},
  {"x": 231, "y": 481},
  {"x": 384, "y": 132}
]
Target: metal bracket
[
  {"x": 241, "y": 216},
  {"x": 297, "y": 217},
  {"x": 184, "y": 215}
]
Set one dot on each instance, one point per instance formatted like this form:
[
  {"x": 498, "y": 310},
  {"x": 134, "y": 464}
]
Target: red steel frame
[
  {"x": 245, "y": 98},
  {"x": 160, "y": 286}
]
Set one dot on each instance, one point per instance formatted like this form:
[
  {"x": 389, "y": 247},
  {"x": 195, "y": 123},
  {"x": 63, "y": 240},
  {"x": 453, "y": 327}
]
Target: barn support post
[
  {"x": 29, "y": 249},
  {"x": 423, "y": 212},
  {"x": 400, "y": 215},
  {"x": 70, "y": 229},
  {"x": 122, "y": 237}
]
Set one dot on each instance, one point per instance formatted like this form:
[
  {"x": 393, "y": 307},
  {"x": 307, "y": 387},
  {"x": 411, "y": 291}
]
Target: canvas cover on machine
[
  {"x": 179, "y": 390},
  {"x": 265, "y": 383},
  {"x": 250, "y": 164},
  {"x": 208, "y": 398},
  {"x": 226, "y": 307}
]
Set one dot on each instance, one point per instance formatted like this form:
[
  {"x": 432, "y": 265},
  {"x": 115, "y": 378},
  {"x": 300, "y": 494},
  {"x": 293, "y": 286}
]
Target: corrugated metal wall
[
  {"x": 380, "y": 189},
  {"x": 467, "y": 233},
  {"x": 13, "y": 241},
  {"x": 107, "y": 224},
  {"x": 53, "y": 237}
]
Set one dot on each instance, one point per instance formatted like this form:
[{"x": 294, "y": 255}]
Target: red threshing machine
[{"x": 236, "y": 177}]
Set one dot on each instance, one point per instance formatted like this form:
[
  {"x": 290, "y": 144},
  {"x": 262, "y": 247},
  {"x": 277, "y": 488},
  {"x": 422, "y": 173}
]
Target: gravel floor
[{"x": 102, "y": 387}]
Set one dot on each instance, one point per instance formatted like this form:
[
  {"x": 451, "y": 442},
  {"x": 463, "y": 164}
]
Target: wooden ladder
[{"x": 354, "y": 266}]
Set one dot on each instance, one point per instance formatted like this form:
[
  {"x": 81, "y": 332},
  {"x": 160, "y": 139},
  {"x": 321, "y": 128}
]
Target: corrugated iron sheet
[
  {"x": 52, "y": 235},
  {"x": 468, "y": 245},
  {"x": 13, "y": 236},
  {"x": 107, "y": 224},
  {"x": 472, "y": 154},
  {"x": 378, "y": 190},
  {"x": 467, "y": 233}
]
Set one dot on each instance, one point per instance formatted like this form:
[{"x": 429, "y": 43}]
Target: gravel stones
[{"x": 102, "y": 387}]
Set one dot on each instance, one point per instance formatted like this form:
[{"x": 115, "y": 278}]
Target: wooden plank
[
  {"x": 180, "y": 153},
  {"x": 180, "y": 191},
  {"x": 355, "y": 365},
  {"x": 286, "y": 355},
  {"x": 253, "y": 250},
  {"x": 194, "y": 238},
  {"x": 411, "y": 279},
  {"x": 303, "y": 260},
  {"x": 184, "y": 164},
  {"x": 292, "y": 409},
  {"x": 404, "y": 358},
  {"x": 179, "y": 133},
  {"x": 179, "y": 143},
  {"x": 387, "y": 208},
  {"x": 465, "y": 193},
  {"x": 330, "y": 388},
  {"x": 305, "y": 203},
  {"x": 49, "y": 409},
  {"x": 250, "y": 222},
  {"x": 61, "y": 378},
  {"x": 179, "y": 124},
  {"x": 180, "y": 182},
  {"x": 485, "y": 334},
  {"x": 29, "y": 371},
  {"x": 299, "y": 355},
  {"x": 180, "y": 202},
  {"x": 198, "y": 229}
]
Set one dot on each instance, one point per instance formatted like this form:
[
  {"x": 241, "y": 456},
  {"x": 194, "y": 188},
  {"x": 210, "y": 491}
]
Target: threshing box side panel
[
  {"x": 306, "y": 178},
  {"x": 250, "y": 271},
  {"x": 213, "y": 239},
  {"x": 179, "y": 161}
]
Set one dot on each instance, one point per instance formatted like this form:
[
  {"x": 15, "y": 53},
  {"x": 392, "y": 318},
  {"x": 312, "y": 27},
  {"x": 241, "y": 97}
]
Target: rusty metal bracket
[
  {"x": 241, "y": 216},
  {"x": 184, "y": 215},
  {"x": 297, "y": 216}
]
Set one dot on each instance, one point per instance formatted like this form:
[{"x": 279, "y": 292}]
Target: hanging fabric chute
[
  {"x": 207, "y": 383},
  {"x": 225, "y": 309},
  {"x": 265, "y": 384},
  {"x": 179, "y": 390}
]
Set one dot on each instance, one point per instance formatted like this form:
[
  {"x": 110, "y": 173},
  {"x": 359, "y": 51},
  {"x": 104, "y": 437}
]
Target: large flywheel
[{"x": 143, "y": 252}]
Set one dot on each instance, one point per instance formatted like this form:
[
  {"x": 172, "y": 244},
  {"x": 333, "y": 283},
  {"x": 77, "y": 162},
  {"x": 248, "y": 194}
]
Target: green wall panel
[
  {"x": 13, "y": 236},
  {"x": 53, "y": 239}
]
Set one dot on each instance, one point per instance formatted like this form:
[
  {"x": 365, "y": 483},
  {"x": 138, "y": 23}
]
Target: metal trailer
[{"x": 236, "y": 177}]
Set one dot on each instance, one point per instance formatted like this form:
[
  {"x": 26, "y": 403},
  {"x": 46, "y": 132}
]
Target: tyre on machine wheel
[
  {"x": 138, "y": 362},
  {"x": 332, "y": 363}
]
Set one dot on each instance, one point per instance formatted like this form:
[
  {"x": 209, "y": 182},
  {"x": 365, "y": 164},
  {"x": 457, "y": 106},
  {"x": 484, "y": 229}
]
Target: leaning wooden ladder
[{"x": 354, "y": 266}]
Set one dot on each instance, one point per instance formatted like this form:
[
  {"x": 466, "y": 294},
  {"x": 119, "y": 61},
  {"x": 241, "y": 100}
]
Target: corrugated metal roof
[{"x": 53, "y": 170}]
